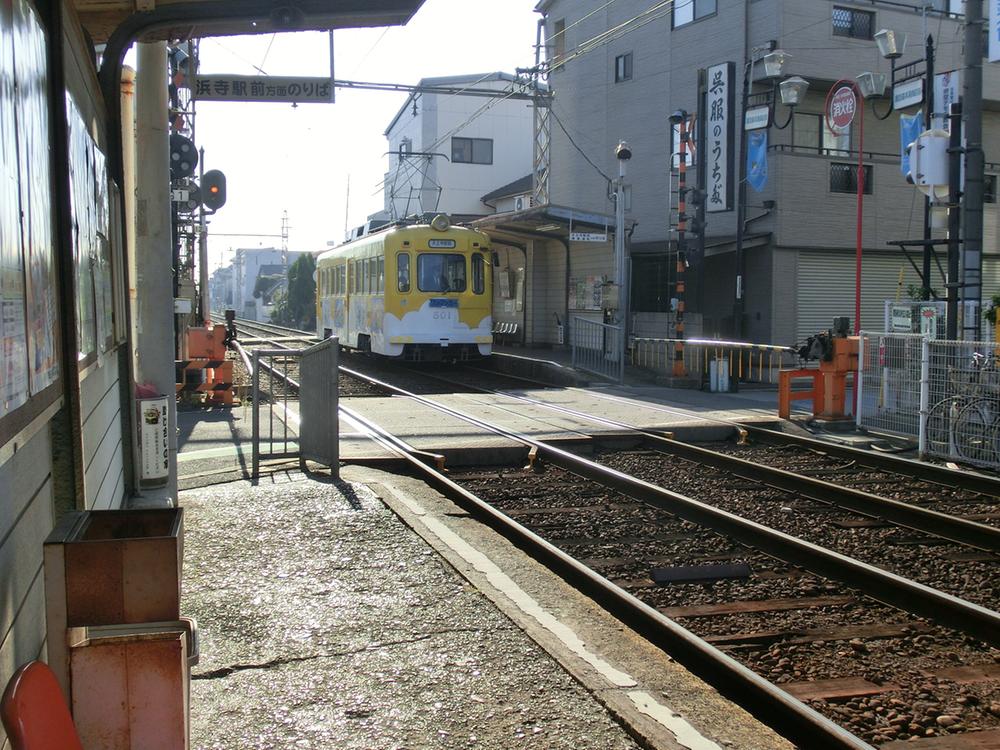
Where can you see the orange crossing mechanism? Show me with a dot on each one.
(829, 386)
(206, 370)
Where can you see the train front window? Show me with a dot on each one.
(441, 272)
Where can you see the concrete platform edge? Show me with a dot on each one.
(655, 714)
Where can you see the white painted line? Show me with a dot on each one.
(686, 735)
(223, 452)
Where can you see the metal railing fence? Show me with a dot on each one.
(296, 389)
(597, 348)
(714, 362)
(890, 382)
(963, 417)
(946, 394)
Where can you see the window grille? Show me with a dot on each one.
(856, 24)
(844, 178)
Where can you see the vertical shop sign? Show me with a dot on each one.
(718, 137)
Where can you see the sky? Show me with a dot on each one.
(301, 159)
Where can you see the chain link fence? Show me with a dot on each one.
(963, 418)
(945, 394)
(890, 382)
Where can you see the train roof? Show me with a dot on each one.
(390, 229)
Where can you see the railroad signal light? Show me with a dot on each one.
(183, 156)
(193, 199)
(695, 197)
(213, 189)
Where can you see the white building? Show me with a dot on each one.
(446, 151)
(240, 284)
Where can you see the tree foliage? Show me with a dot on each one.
(297, 308)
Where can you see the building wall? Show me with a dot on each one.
(415, 180)
(598, 112)
(548, 288)
(75, 419)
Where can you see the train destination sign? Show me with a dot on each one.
(232, 88)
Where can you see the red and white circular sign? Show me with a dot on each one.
(841, 107)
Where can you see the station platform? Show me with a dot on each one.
(373, 613)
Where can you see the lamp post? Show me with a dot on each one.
(790, 91)
(843, 101)
(892, 46)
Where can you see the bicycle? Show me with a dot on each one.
(967, 424)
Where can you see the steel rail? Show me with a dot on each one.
(892, 589)
(790, 717)
(964, 479)
(238, 348)
(935, 523)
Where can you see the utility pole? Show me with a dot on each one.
(623, 153)
(206, 310)
(678, 368)
(928, 124)
(284, 243)
(954, 218)
(972, 203)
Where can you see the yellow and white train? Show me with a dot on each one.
(417, 292)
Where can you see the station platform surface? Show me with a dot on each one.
(373, 613)
(215, 443)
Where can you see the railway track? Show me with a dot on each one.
(787, 612)
(883, 656)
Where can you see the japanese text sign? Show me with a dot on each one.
(230, 88)
(718, 137)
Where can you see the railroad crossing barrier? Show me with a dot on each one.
(718, 364)
(206, 370)
(944, 394)
(595, 347)
(297, 390)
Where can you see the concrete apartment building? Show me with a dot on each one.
(232, 287)
(800, 229)
(448, 151)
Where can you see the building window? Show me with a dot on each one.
(990, 188)
(810, 133)
(557, 44)
(857, 24)
(844, 178)
(687, 11)
(652, 287)
(472, 150)
(623, 67)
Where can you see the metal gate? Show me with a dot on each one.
(294, 396)
(596, 347)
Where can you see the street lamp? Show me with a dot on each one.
(622, 153)
(892, 45)
(872, 85)
(790, 92)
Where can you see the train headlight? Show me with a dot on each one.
(440, 223)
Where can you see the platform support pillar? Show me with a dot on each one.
(153, 316)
